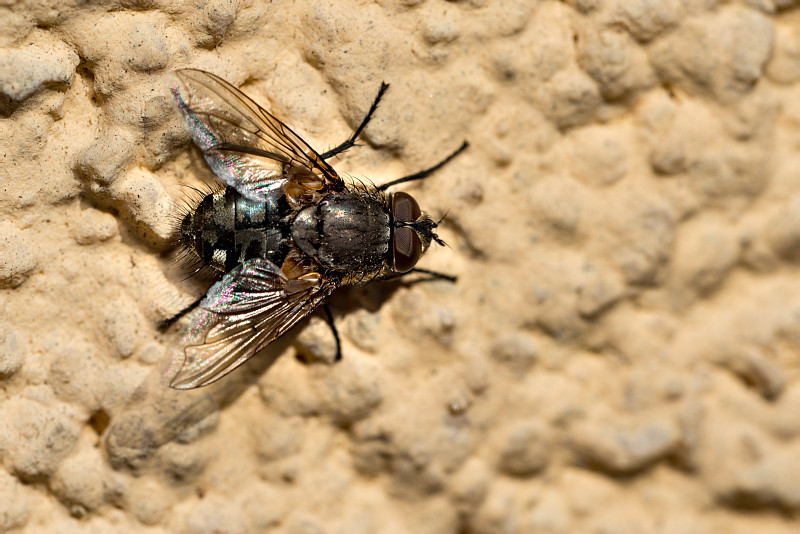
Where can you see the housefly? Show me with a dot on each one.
(283, 232)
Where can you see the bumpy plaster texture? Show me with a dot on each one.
(621, 352)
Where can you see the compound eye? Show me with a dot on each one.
(407, 249)
(405, 208)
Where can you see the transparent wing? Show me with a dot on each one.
(250, 307)
(245, 146)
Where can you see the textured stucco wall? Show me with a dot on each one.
(621, 353)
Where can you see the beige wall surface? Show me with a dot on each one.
(620, 353)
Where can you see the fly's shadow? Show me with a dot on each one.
(157, 415)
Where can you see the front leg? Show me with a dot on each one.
(432, 274)
(352, 140)
(427, 172)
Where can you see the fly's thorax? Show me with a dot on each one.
(347, 232)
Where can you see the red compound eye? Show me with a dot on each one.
(405, 208)
(407, 249)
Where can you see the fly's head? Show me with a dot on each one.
(412, 232)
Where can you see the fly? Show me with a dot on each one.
(283, 233)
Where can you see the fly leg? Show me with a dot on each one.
(432, 274)
(166, 323)
(352, 140)
(427, 172)
(329, 315)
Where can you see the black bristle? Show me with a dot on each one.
(184, 255)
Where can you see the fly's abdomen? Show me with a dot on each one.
(227, 228)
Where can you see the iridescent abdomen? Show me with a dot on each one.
(227, 228)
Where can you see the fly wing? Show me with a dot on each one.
(245, 146)
(250, 307)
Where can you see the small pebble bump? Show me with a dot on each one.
(94, 226)
(14, 503)
(600, 158)
(28, 69)
(783, 230)
(12, 355)
(518, 351)
(36, 438)
(80, 481)
(17, 255)
(525, 450)
(617, 450)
